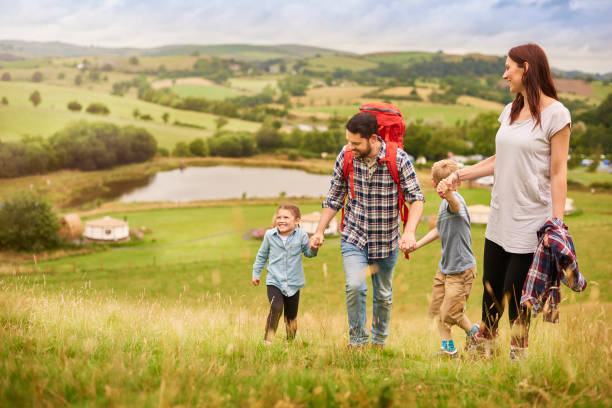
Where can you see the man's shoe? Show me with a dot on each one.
(518, 353)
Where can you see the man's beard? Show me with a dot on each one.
(365, 154)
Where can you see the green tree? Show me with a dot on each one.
(198, 147)
(37, 76)
(268, 138)
(134, 60)
(165, 117)
(74, 106)
(136, 113)
(98, 108)
(35, 98)
(481, 132)
(181, 149)
(220, 122)
(28, 223)
(295, 85)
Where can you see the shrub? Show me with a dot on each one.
(146, 116)
(28, 223)
(61, 75)
(6, 76)
(268, 138)
(35, 98)
(37, 76)
(163, 152)
(74, 106)
(181, 149)
(239, 144)
(78, 80)
(98, 108)
(198, 147)
(4, 100)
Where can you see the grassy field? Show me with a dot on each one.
(449, 114)
(52, 115)
(174, 321)
(403, 58)
(581, 175)
(333, 62)
(214, 92)
(254, 84)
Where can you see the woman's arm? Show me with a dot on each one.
(559, 147)
(481, 169)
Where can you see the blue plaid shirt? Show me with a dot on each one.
(371, 218)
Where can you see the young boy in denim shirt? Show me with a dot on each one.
(457, 267)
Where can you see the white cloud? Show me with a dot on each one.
(574, 33)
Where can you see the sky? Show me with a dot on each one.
(576, 35)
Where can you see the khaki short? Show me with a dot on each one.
(450, 294)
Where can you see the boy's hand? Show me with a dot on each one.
(255, 281)
(407, 242)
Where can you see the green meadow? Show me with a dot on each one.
(214, 92)
(20, 117)
(449, 114)
(174, 321)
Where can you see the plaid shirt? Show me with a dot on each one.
(541, 290)
(371, 218)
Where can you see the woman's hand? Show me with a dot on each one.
(255, 281)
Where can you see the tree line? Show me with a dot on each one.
(81, 145)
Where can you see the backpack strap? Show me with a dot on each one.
(391, 159)
(348, 171)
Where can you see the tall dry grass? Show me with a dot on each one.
(82, 347)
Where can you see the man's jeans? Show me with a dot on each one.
(356, 269)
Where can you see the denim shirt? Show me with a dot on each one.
(285, 270)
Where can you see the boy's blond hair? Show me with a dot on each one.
(442, 169)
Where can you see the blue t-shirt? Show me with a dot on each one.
(455, 235)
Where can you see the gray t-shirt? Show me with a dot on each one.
(521, 201)
(455, 236)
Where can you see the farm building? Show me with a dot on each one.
(309, 223)
(70, 227)
(107, 229)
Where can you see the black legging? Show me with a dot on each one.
(503, 279)
(277, 301)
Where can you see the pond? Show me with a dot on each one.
(226, 182)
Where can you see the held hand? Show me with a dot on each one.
(316, 241)
(546, 244)
(407, 242)
(255, 281)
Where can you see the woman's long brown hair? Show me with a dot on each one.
(537, 78)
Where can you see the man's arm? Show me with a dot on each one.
(413, 195)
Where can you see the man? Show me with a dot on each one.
(371, 235)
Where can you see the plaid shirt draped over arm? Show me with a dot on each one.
(371, 218)
(550, 266)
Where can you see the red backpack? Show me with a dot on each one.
(391, 128)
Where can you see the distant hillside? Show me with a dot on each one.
(16, 49)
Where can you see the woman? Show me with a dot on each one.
(530, 168)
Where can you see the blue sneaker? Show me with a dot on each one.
(448, 348)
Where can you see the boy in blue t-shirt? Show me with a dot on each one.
(457, 267)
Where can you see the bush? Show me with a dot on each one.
(268, 138)
(4, 100)
(181, 149)
(6, 76)
(35, 98)
(239, 144)
(28, 223)
(74, 106)
(61, 75)
(146, 116)
(198, 147)
(98, 108)
(37, 76)
(163, 152)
